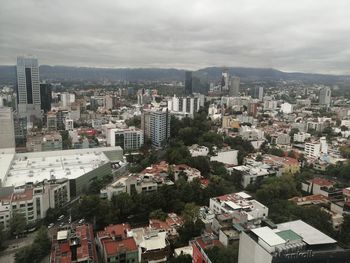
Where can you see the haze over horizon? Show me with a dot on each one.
(293, 36)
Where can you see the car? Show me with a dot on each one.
(60, 217)
(81, 221)
(50, 226)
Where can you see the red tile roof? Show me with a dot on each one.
(113, 247)
(321, 181)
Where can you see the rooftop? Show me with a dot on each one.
(113, 247)
(38, 166)
(321, 181)
(310, 235)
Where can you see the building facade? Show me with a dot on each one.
(7, 129)
(28, 87)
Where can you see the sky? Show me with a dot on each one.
(290, 35)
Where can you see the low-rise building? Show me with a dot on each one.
(32, 201)
(116, 244)
(253, 173)
(239, 202)
(226, 156)
(197, 150)
(76, 244)
(200, 244)
(288, 164)
(153, 244)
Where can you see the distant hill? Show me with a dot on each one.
(63, 73)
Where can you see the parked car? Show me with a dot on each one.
(50, 226)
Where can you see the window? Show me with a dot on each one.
(22, 205)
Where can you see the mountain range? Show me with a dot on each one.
(64, 73)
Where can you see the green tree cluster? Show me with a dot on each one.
(37, 251)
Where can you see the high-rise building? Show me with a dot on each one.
(188, 83)
(156, 126)
(45, 96)
(200, 82)
(28, 88)
(234, 87)
(261, 93)
(185, 106)
(224, 80)
(325, 96)
(7, 130)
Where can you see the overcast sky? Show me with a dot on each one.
(291, 35)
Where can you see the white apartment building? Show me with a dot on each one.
(312, 149)
(188, 106)
(253, 173)
(301, 136)
(251, 133)
(239, 202)
(32, 201)
(315, 149)
(155, 124)
(197, 150)
(128, 139)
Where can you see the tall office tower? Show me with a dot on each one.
(200, 82)
(156, 126)
(325, 96)
(7, 130)
(261, 93)
(28, 88)
(188, 83)
(225, 80)
(234, 87)
(45, 96)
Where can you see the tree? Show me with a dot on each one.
(177, 153)
(2, 235)
(277, 188)
(201, 163)
(344, 234)
(158, 214)
(37, 251)
(17, 223)
(276, 151)
(221, 254)
(190, 212)
(259, 158)
(134, 121)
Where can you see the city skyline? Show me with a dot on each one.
(290, 36)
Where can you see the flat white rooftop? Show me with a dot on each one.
(268, 236)
(310, 235)
(5, 163)
(38, 166)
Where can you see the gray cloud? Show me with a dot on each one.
(291, 35)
